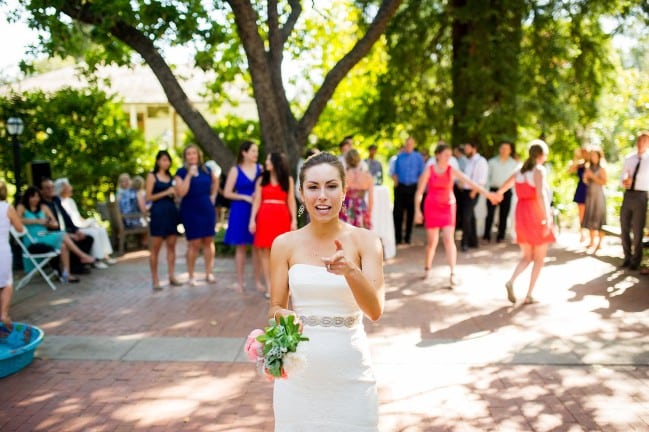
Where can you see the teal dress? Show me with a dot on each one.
(39, 233)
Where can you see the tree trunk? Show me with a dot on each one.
(486, 38)
(281, 131)
(205, 136)
(177, 97)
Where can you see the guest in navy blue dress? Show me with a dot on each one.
(164, 216)
(239, 188)
(578, 166)
(196, 186)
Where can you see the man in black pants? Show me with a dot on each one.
(501, 168)
(65, 223)
(408, 166)
(476, 169)
(633, 214)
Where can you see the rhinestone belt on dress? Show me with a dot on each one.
(329, 321)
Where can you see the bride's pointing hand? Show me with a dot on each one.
(338, 263)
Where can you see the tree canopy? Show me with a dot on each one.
(488, 71)
(83, 134)
(456, 70)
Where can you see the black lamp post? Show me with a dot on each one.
(15, 127)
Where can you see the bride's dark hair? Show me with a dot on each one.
(322, 158)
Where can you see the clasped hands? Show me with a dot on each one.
(495, 197)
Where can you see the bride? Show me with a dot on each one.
(334, 274)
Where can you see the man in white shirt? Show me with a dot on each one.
(501, 167)
(633, 214)
(476, 169)
(460, 159)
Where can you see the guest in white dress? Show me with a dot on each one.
(334, 274)
(8, 218)
(101, 247)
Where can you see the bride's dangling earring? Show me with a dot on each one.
(300, 210)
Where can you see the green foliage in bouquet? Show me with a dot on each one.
(279, 339)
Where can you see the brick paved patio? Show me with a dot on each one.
(118, 356)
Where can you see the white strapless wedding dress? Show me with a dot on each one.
(337, 390)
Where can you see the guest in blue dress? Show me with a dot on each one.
(196, 186)
(239, 188)
(160, 192)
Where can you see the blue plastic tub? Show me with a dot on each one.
(17, 347)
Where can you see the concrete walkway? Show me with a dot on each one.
(118, 356)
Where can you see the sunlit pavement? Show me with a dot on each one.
(118, 356)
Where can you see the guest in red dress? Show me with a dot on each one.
(439, 207)
(534, 228)
(273, 209)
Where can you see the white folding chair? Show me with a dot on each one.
(38, 260)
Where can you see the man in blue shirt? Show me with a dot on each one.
(407, 168)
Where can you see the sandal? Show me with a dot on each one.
(66, 278)
(529, 300)
(510, 292)
(210, 278)
(174, 282)
(454, 281)
(157, 288)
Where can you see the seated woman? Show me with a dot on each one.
(38, 220)
(138, 185)
(127, 200)
(101, 247)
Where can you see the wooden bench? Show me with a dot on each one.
(119, 231)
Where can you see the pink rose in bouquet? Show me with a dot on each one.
(254, 348)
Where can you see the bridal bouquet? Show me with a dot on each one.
(274, 349)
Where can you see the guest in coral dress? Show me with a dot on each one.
(439, 207)
(534, 223)
(273, 209)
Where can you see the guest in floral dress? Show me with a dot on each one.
(356, 209)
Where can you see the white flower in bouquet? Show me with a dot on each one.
(294, 363)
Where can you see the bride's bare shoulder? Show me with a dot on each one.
(288, 239)
(363, 237)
